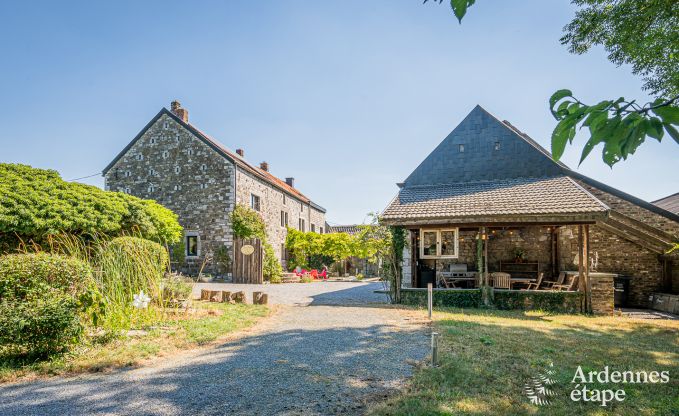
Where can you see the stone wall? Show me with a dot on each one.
(316, 220)
(272, 202)
(602, 294)
(170, 165)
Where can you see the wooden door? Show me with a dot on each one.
(248, 258)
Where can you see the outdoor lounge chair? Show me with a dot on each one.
(501, 280)
(559, 281)
(570, 286)
(536, 285)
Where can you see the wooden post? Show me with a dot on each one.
(215, 296)
(430, 302)
(226, 296)
(588, 284)
(205, 294)
(555, 253)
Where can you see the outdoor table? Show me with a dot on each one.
(522, 280)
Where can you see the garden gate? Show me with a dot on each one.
(248, 258)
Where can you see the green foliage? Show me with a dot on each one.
(271, 268)
(178, 252)
(549, 301)
(459, 7)
(39, 326)
(127, 266)
(459, 298)
(305, 279)
(175, 288)
(222, 259)
(247, 223)
(25, 276)
(643, 34)
(619, 125)
(41, 299)
(35, 203)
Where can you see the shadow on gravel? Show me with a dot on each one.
(325, 371)
(359, 295)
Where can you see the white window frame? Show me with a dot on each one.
(438, 231)
(259, 202)
(188, 234)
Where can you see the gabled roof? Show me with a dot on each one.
(557, 196)
(223, 151)
(495, 152)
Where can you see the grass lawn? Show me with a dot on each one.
(100, 353)
(486, 357)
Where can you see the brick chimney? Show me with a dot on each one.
(290, 182)
(180, 112)
(264, 166)
(240, 152)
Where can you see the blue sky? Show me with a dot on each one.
(346, 96)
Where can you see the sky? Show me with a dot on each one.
(346, 96)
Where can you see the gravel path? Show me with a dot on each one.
(330, 357)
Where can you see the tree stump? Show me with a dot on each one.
(238, 297)
(204, 294)
(215, 296)
(260, 298)
(226, 296)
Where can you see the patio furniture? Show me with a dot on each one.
(536, 285)
(559, 281)
(501, 280)
(572, 283)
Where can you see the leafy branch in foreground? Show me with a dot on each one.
(619, 124)
(459, 7)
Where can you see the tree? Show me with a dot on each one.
(247, 223)
(644, 34)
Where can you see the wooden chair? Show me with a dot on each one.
(536, 285)
(502, 280)
(559, 281)
(570, 286)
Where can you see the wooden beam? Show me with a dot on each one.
(588, 283)
(581, 259)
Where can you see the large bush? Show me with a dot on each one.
(271, 269)
(41, 300)
(35, 203)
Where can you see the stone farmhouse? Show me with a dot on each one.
(184, 169)
(487, 180)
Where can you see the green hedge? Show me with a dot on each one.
(461, 298)
(551, 301)
(41, 301)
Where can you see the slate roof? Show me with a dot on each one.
(669, 203)
(522, 196)
(349, 229)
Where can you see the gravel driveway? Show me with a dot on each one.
(329, 357)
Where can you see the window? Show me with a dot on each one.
(140, 157)
(461, 147)
(284, 253)
(203, 167)
(254, 202)
(313, 228)
(128, 191)
(301, 207)
(283, 218)
(203, 186)
(166, 125)
(301, 224)
(321, 230)
(177, 188)
(152, 172)
(153, 140)
(166, 154)
(176, 137)
(192, 245)
(151, 188)
(497, 146)
(439, 243)
(190, 152)
(127, 173)
(177, 169)
(284, 199)
(286, 219)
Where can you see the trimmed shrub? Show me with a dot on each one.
(25, 276)
(35, 203)
(40, 326)
(460, 298)
(41, 300)
(549, 301)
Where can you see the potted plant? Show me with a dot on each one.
(519, 255)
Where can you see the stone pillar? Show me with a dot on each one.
(602, 294)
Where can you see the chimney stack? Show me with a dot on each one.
(290, 182)
(240, 152)
(264, 166)
(178, 111)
